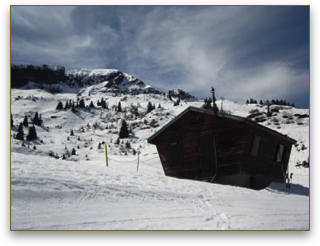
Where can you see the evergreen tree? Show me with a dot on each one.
(25, 121)
(73, 151)
(91, 105)
(150, 107)
(207, 103)
(247, 102)
(73, 109)
(104, 104)
(20, 134)
(128, 145)
(37, 120)
(66, 106)
(124, 133)
(71, 132)
(59, 106)
(11, 120)
(117, 142)
(32, 134)
(81, 103)
(119, 108)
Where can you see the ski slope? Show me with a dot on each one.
(81, 193)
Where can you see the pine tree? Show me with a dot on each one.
(207, 103)
(124, 133)
(32, 134)
(37, 120)
(66, 106)
(73, 151)
(117, 142)
(71, 132)
(20, 134)
(81, 103)
(150, 107)
(119, 108)
(25, 121)
(11, 120)
(91, 105)
(104, 104)
(128, 145)
(73, 109)
(59, 106)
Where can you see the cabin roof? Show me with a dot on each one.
(221, 115)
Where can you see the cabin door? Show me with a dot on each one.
(207, 153)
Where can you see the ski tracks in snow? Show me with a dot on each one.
(214, 218)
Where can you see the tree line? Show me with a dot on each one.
(268, 102)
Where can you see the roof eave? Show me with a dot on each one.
(234, 117)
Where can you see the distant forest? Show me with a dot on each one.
(269, 102)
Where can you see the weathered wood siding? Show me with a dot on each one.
(265, 163)
(231, 149)
(229, 141)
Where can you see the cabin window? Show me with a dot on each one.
(280, 153)
(175, 153)
(255, 145)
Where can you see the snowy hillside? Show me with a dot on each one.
(53, 188)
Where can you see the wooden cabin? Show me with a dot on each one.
(205, 145)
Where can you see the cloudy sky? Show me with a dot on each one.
(242, 51)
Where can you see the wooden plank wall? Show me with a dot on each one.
(233, 144)
(230, 142)
(265, 162)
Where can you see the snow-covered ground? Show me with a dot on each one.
(81, 193)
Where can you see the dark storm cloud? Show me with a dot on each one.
(260, 52)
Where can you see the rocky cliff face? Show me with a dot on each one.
(45, 76)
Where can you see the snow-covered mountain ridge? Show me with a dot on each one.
(51, 188)
(112, 80)
(57, 79)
